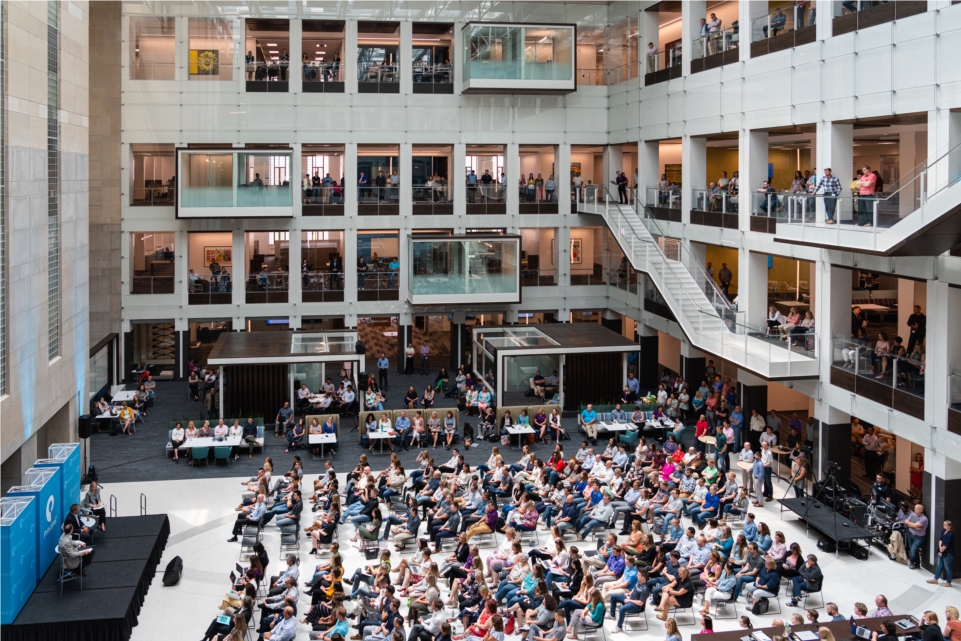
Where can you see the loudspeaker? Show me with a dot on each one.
(173, 572)
(362, 381)
(360, 347)
(84, 426)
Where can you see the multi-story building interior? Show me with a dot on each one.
(419, 170)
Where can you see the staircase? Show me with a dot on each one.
(710, 323)
(479, 281)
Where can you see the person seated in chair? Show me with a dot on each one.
(296, 436)
(127, 418)
(81, 532)
(76, 555)
(539, 383)
(341, 405)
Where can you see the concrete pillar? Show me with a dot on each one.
(747, 13)
(944, 133)
(648, 168)
(456, 182)
(941, 497)
(562, 253)
(295, 283)
(612, 161)
(456, 57)
(406, 152)
(752, 287)
(832, 441)
(911, 145)
(693, 172)
(562, 176)
(649, 31)
(835, 151)
(238, 242)
(295, 74)
(350, 179)
(349, 59)
(942, 306)
(691, 14)
(824, 21)
(832, 314)
(752, 393)
(405, 56)
(752, 170)
(512, 168)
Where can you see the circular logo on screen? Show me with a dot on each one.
(50, 503)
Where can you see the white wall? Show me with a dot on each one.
(785, 399)
(668, 352)
(588, 249)
(199, 240)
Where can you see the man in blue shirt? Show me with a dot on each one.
(382, 365)
(737, 422)
(402, 427)
(285, 416)
(750, 528)
(709, 508)
(619, 415)
(633, 385)
(589, 420)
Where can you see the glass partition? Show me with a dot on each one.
(537, 183)
(464, 269)
(378, 180)
(505, 56)
(322, 180)
(431, 58)
(484, 180)
(268, 258)
(519, 370)
(321, 64)
(378, 70)
(223, 183)
(433, 192)
(153, 45)
(152, 263)
(267, 61)
(322, 266)
(153, 176)
(378, 264)
(537, 257)
(211, 55)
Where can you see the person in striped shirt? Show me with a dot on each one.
(830, 187)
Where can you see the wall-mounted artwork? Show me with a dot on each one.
(204, 62)
(221, 255)
(576, 256)
(575, 169)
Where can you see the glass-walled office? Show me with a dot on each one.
(500, 57)
(322, 266)
(210, 264)
(153, 47)
(378, 180)
(153, 175)
(378, 264)
(268, 266)
(431, 57)
(267, 58)
(378, 44)
(227, 183)
(211, 53)
(321, 65)
(663, 42)
(472, 269)
(537, 183)
(538, 257)
(485, 180)
(433, 191)
(322, 180)
(152, 263)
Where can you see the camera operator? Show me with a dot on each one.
(917, 527)
(881, 489)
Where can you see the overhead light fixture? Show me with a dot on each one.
(318, 45)
(271, 44)
(274, 51)
(274, 58)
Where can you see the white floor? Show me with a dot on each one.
(202, 513)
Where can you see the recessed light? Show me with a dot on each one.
(274, 51)
(274, 58)
(318, 45)
(271, 44)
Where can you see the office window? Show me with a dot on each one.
(153, 45)
(211, 55)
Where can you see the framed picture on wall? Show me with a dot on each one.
(575, 169)
(221, 255)
(576, 257)
(204, 62)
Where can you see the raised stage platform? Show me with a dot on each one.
(822, 518)
(114, 588)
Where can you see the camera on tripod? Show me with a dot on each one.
(834, 467)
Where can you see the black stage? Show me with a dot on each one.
(825, 520)
(113, 590)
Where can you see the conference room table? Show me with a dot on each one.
(840, 629)
(210, 441)
(321, 440)
(378, 436)
(519, 431)
(124, 396)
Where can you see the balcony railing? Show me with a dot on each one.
(714, 208)
(622, 73)
(432, 78)
(715, 49)
(884, 377)
(323, 77)
(433, 199)
(322, 201)
(161, 195)
(322, 286)
(378, 201)
(376, 78)
(487, 199)
(788, 25)
(537, 199)
(215, 290)
(153, 70)
(267, 287)
(662, 66)
(152, 285)
(268, 76)
(591, 76)
(538, 277)
(851, 15)
(377, 283)
(664, 203)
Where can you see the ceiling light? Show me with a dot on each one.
(271, 44)
(318, 45)
(274, 51)
(274, 58)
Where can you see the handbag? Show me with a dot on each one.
(761, 607)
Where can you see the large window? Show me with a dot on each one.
(431, 57)
(268, 256)
(153, 179)
(322, 266)
(211, 266)
(267, 64)
(501, 56)
(485, 180)
(321, 63)
(153, 47)
(322, 180)
(378, 264)
(471, 269)
(378, 180)
(232, 181)
(433, 191)
(378, 70)
(152, 263)
(211, 55)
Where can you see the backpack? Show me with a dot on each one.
(509, 624)
(761, 606)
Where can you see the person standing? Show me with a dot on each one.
(831, 188)
(424, 358)
(709, 270)
(945, 555)
(866, 188)
(917, 322)
(409, 360)
(917, 529)
(767, 459)
(382, 365)
(871, 444)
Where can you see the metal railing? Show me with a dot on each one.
(432, 193)
(668, 197)
(481, 193)
(538, 277)
(662, 59)
(333, 195)
(378, 283)
(432, 74)
(322, 72)
(378, 73)
(267, 70)
(904, 373)
(163, 196)
(152, 285)
(714, 200)
(140, 70)
(715, 42)
(787, 17)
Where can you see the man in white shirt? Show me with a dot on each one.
(767, 459)
(583, 453)
(746, 455)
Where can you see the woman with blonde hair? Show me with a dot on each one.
(671, 631)
(825, 634)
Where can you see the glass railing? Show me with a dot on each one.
(714, 200)
(481, 193)
(537, 199)
(377, 283)
(624, 278)
(322, 195)
(872, 367)
(213, 290)
(593, 76)
(787, 17)
(375, 195)
(432, 193)
(322, 286)
(153, 70)
(715, 42)
(152, 285)
(321, 72)
(267, 287)
(378, 74)
(663, 59)
(432, 74)
(622, 73)
(587, 194)
(268, 71)
(162, 196)
(596, 277)
(667, 197)
(538, 277)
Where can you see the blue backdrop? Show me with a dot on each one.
(18, 555)
(46, 489)
(65, 456)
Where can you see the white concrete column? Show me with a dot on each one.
(512, 168)
(944, 133)
(349, 59)
(752, 171)
(691, 14)
(908, 151)
(403, 251)
(747, 13)
(457, 56)
(350, 178)
(648, 168)
(295, 72)
(562, 255)
(562, 176)
(824, 20)
(942, 302)
(612, 160)
(648, 31)
(752, 287)
(405, 54)
(457, 186)
(294, 281)
(238, 271)
(297, 177)
(350, 269)
(693, 172)
(835, 151)
(832, 313)
(181, 53)
(406, 151)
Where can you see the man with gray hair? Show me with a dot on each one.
(250, 515)
(292, 570)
